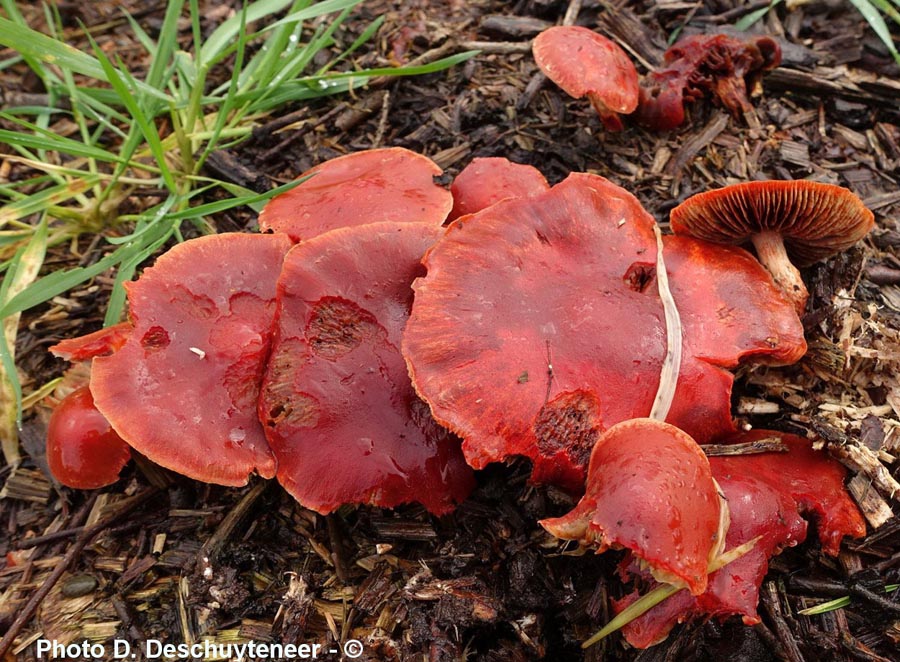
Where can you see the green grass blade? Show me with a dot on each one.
(223, 37)
(147, 128)
(57, 282)
(838, 603)
(148, 244)
(316, 10)
(876, 22)
(56, 143)
(165, 47)
(748, 20)
(33, 44)
(250, 198)
(888, 9)
(22, 272)
(366, 35)
(277, 50)
(335, 83)
(49, 197)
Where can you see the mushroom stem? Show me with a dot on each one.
(773, 256)
(610, 118)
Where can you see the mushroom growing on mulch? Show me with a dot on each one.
(537, 327)
(650, 490)
(486, 181)
(786, 221)
(83, 450)
(768, 496)
(370, 186)
(584, 63)
(183, 387)
(723, 66)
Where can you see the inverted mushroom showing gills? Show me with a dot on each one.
(182, 389)
(649, 490)
(725, 67)
(486, 181)
(391, 184)
(584, 63)
(339, 411)
(539, 325)
(799, 221)
(768, 496)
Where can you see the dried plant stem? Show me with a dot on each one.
(668, 378)
(28, 610)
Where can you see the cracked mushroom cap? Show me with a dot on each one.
(339, 411)
(815, 220)
(584, 63)
(649, 490)
(391, 184)
(182, 389)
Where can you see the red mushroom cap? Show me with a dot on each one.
(486, 181)
(392, 184)
(339, 411)
(583, 62)
(539, 325)
(766, 494)
(811, 478)
(183, 388)
(83, 451)
(649, 490)
(815, 220)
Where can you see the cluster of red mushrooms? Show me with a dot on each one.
(383, 337)
(584, 63)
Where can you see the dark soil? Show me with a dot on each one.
(487, 583)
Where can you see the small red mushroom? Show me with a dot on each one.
(649, 490)
(539, 325)
(766, 494)
(584, 63)
(83, 451)
(800, 220)
(182, 389)
(724, 66)
(339, 411)
(391, 184)
(486, 181)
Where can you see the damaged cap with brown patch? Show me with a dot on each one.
(182, 389)
(339, 411)
(390, 184)
(539, 325)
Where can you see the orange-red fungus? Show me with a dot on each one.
(391, 184)
(584, 63)
(339, 411)
(83, 451)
